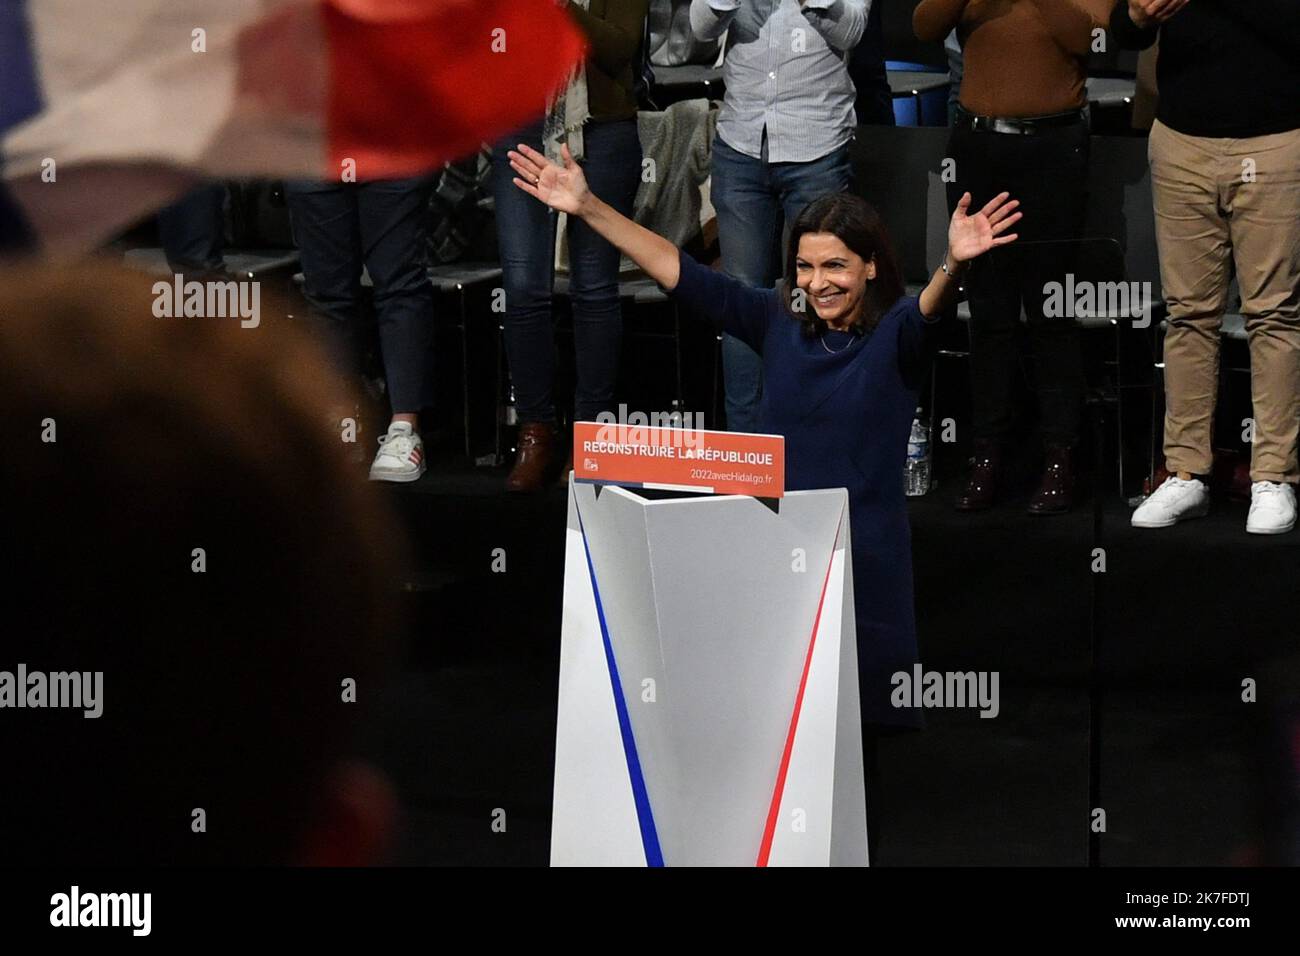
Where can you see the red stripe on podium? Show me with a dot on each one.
(765, 850)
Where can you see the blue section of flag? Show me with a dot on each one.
(20, 93)
(649, 835)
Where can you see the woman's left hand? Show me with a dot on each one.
(971, 236)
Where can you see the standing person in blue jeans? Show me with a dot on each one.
(379, 225)
(596, 116)
(782, 141)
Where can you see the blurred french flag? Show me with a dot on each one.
(110, 108)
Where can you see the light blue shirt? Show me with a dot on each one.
(785, 70)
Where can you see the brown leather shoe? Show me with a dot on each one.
(981, 478)
(536, 457)
(1055, 492)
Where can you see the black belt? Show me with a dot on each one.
(1021, 125)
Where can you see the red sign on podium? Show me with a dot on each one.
(679, 459)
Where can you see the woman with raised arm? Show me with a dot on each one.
(843, 352)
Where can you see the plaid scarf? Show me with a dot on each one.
(566, 112)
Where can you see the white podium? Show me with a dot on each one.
(708, 700)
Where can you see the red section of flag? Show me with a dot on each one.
(407, 95)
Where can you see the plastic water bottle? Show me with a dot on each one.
(511, 411)
(916, 473)
(675, 416)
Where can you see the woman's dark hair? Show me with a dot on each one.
(854, 222)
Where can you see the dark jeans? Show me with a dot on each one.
(752, 197)
(526, 237)
(1048, 173)
(192, 231)
(341, 227)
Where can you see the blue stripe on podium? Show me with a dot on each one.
(645, 817)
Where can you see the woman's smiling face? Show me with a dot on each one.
(833, 277)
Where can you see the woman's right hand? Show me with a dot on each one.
(560, 187)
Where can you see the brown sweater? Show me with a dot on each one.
(614, 29)
(1020, 57)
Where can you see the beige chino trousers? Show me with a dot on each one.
(1220, 200)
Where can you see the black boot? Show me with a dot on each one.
(981, 477)
(1055, 493)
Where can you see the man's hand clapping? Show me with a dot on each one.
(1146, 13)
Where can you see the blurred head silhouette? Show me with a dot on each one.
(178, 516)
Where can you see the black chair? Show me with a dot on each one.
(246, 264)
(1097, 292)
(687, 82)
(640, 292)
(1120, 207)
(456, 279)
(899, 170)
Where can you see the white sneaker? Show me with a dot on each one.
(1272, 508)
(401, 455)
(1173, 501)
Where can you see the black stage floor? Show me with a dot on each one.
(1183, 616)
